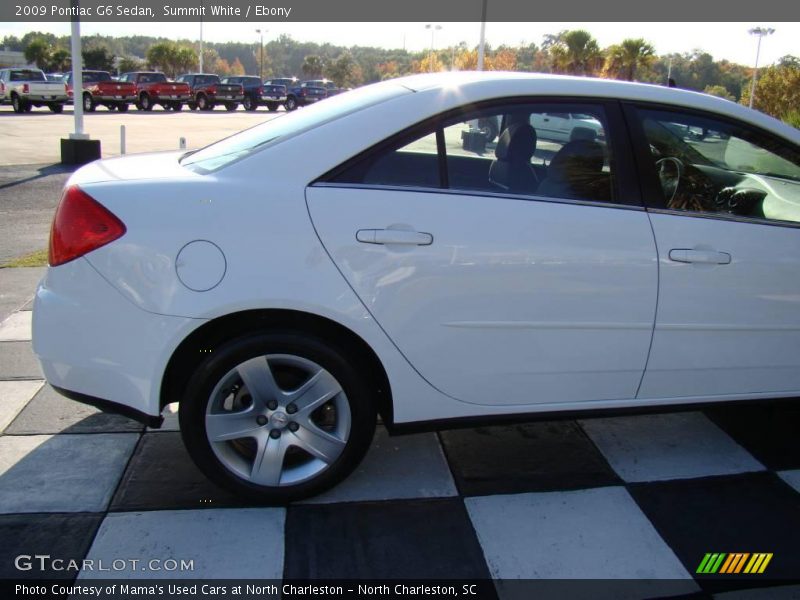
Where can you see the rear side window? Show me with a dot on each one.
(532, 149)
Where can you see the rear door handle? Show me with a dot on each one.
(707, 257)
(394, 236)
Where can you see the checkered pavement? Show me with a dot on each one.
(640, 497)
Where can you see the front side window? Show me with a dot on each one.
(533, 149)
(708, 165)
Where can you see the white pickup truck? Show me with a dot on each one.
(25, 88)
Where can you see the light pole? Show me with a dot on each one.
(202, 10)
(434, 29)
(261, 34)
(482, 42)
(760, 32)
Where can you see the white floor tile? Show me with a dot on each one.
(588, 534)
(792, 478)
(242, 543)
(668, 446)
(407, 466)
(14, 395)
(17, 327)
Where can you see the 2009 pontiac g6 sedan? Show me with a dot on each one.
(377, 253)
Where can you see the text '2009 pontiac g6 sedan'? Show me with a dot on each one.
(379, 253)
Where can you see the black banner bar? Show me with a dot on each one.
(264, 11)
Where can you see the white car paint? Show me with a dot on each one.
(483, 323)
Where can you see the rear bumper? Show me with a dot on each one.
(46, 98)
(98, 346)
(122, 98)
(109, 406)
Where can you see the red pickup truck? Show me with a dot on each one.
(208, 91)
(154, 88)
(100, 89)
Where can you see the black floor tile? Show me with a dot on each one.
(60, 536)
(742, 513)
(419, 539)
(161, 476)
(50, 412)
(17, 361)
(769, 431)
(533, 457)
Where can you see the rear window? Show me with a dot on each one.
(239, 145)
(27, 75)
(95, 76)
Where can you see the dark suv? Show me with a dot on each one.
(257, 94)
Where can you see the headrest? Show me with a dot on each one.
(583, 133)
(578, 154)
(517, 143)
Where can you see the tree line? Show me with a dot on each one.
(574, 52)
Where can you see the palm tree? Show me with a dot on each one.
(38, 53)
(576, 52)
(624, 59)
(313, 66)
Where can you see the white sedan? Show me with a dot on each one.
(290, 282)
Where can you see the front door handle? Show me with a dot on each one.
(706, 257)
(394, 236)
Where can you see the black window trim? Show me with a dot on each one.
(624, 178)
(652, 197)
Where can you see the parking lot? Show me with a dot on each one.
(33, 138)
(639, 500)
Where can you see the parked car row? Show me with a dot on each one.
(25, 88)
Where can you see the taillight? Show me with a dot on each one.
(25, 88)
(303, 92)
(261, 90)
(81, 224)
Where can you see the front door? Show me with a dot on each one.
(495, 298)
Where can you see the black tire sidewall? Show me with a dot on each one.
(193, 409)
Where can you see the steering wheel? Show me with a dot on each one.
(670, 171)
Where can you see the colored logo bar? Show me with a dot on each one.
(734, 563)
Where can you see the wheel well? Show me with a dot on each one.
(195, 348)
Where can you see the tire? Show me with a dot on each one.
(249, 103)
(339, 425)
(122, 107)
(202, 103)
(192, 106)
(231, 106)
(272, 106)
(291, 103)
(489, 128)
(54, 108)
(145, 103)
(28, 107)
(88, 103)
(17, 104)
(177, 107)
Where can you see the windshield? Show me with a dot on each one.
(27, 75)
(241, 144)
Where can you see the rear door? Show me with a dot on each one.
(725, 210)
(496, 298)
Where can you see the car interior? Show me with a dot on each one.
(521, 160)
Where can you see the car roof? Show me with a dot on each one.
(479, 85)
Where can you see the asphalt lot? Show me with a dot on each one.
(33, 138)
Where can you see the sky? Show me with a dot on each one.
(722, 40)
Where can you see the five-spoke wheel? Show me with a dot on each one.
(277, 417)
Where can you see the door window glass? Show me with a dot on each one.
(713, 166)
(526, 149)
